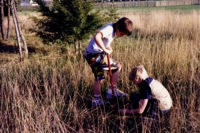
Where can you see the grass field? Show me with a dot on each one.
(171, 8)
(46, 92)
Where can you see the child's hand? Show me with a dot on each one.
(122, 111)
(109, 51)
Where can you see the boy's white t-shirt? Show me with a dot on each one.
(160, 93)
(108, 36)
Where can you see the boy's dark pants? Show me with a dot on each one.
(152, 111)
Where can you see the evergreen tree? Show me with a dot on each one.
(68, 21)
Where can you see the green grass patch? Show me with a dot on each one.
(175, 8)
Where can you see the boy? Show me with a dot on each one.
(96, 51)
(149, 89)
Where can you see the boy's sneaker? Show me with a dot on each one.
(97, 102)
(117, 93)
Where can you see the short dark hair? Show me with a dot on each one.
(124, 25)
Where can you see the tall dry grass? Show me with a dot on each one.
(46, 92)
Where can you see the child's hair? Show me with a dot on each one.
(124, 25)
(133, 74)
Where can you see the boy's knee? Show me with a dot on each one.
(119, 66)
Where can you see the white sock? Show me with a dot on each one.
(97, 97)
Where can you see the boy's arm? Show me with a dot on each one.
(110, 49)
(98, 40)
(140, 110)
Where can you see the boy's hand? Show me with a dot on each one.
(108, 51)
(122, 111)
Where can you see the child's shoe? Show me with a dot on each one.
(117, 93)
(97, 102)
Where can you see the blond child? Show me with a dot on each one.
(149, 89)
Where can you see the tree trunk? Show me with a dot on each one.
(75, 46)
(79, 47)
(8, 17)
(16, 29)
(2, 19)
(20, 32)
